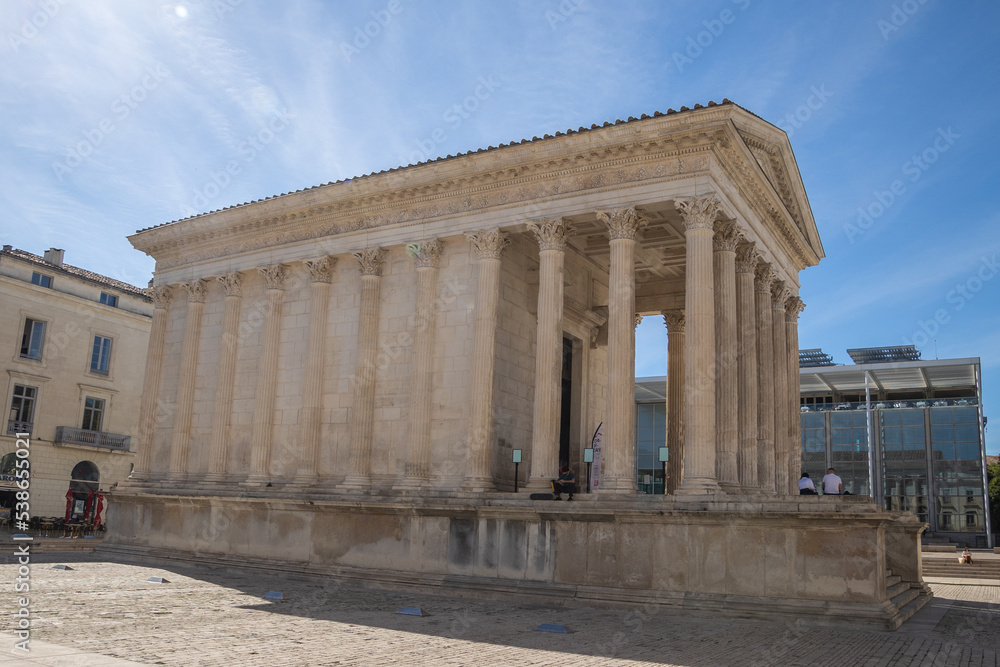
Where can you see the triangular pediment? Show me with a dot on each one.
(769, 158)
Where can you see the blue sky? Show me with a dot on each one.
(118, 115)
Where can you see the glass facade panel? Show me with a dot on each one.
(957, 469)
(850, 450)
(814, 445)
(904, 461)
(651, 434)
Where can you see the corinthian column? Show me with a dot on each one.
(181, 442)
(320, 277)
(427, 255)
(674, 320)
(618, 455)
(699, 410)
(746, 330)
(551, 235)
(779, 294)
(223, 406)
(151, 382)
(765, 378)
(727, 377)
(267, 376)
(488, 246)
(793, 307)
(372, 261)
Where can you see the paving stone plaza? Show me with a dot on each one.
(105, 613)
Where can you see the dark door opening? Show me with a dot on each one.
(566, 409)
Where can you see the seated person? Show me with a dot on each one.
(966, 556)
(566, 482)
(806, 486)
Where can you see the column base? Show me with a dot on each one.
(216, 477)
(538, 485)
(256, 480)
(355, 484)
(412, 483)
(696, 486)
(477, 485)
(305, 478)
(616, 486)
(731, 488)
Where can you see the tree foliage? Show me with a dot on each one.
(993, 474)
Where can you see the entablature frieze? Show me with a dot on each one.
(579, 169)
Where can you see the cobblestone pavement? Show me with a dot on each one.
(208, 617)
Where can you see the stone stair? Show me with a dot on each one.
(981, 568)
(907, 597)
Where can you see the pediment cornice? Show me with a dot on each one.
(606, 159)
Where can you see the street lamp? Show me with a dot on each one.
(664, 453)
(588, 458)
(517, 460)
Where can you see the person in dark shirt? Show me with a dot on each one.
(565, 483)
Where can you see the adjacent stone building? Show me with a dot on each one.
(338, 377)
(74, 346)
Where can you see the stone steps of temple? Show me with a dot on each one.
(906, 594)
(897, 588)
(892, 579)
(913, 606)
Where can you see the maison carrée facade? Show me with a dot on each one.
(338, 379)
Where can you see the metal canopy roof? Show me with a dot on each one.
(874, 355)
(814, 357)
(893, 376)
(651, 390)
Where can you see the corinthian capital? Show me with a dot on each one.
(674, 320)
(233, 282)
(427, 254)
(489, 244)
(793, 308)
(779, 294)
(551, 233)
(195, 290)
(372, 261)
(727, 236)
(321, 268)
(622, 223)
(764, 276)
(161, 296)
(274, 276)
(698, 212)
(746, 257)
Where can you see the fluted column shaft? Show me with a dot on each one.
(793, 308)
(746, 329)
(781, 399)
(488, 246)
(674, 320)
(267, 376)
(181, 442)
(727, 376)
(551, 235)
(427, 255)
(225, 382)
(320, 276)
(363, 411)
(151, 381)
(618, 447)
(699, 408)
(765, 379)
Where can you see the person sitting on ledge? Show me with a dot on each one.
(966, 557)
(566, 481)
(806, 486)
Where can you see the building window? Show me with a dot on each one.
(100, 359)
(109, 299)
(41, 279)
(22, 409)
(93, 414)
(32, 339)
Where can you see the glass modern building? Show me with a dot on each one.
(917, 424)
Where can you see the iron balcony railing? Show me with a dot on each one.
(78, 436)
